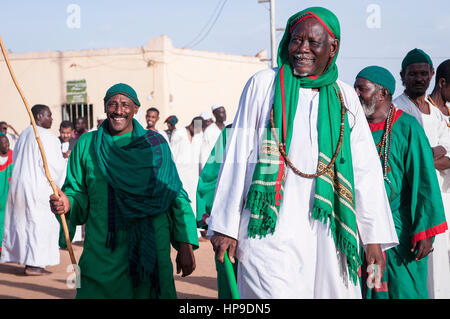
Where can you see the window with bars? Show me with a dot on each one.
(70, 112)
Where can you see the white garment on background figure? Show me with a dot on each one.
(438, 133)
(31, 229)
(186, 154)
(300, 259)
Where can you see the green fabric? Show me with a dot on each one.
(105, 273)
(416, 56)
(205, 196)
(334, 192)
(124, 89)
(208, 177)
(378, 75)
(143, 182)
(5, 175)
(416, 204)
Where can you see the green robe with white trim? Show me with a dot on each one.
(104, 273)
(416, 204)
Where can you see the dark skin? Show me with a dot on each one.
(119, 112)
(221, 116)
(44, 119)
(416, 78)
(152, 117)
(366, 90)
(309, 51)
(81, 125)
(4, 128)
(4, 146)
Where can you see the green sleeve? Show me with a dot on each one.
(75, 186)
(427, 209)
(184, 226)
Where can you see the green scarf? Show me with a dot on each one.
(142, 183)
(334, 191)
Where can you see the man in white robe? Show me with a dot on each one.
(212, 132)
(300, 259)
(185, 146)
(417, 72)
(31, 231)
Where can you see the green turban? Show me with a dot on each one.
(378, 75)
(124, 89)
(416, 56)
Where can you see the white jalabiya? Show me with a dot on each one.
(186, 155)
(438, 133)
(78, 236)
(300, 259)
(31, 230)
(210, 136)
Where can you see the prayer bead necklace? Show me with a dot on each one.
(387, 135)
(338, 147)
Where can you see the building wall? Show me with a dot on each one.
(182, 82)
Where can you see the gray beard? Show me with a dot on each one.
(299, 74)
(369, 109)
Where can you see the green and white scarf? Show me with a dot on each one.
(334, 190)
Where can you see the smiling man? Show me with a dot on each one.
(152, 117)
(31, 231)
(301, 184)
(122, 183)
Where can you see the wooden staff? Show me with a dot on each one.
(44, 159)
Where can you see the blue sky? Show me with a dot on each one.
(241, 28)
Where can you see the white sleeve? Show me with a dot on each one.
(374, 217)
(443, 134)
(231, 184)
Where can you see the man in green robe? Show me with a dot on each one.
(411, 186)
(205, 197)
(123, 185)
(6, 167)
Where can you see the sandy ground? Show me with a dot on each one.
(14, 284)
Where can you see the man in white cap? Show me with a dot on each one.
(212, 132)
(207, 119)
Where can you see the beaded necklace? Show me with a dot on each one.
(338, 147)
(385, 149)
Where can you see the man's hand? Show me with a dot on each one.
(61, 205)
(221, 243)
(374, 255)
(438, 152)
(185, 260)
(423, 247)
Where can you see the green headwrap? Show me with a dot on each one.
(124, 89)
(334, 191)
(378, 75)
(416, 56)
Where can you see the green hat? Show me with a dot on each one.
(172, 120)
(378, 75)
(124, 89)
(416, 56)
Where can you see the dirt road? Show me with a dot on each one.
(14, 284)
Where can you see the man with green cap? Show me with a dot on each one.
(411, 185)
(123, 185)
(416, 73)
(301, 185)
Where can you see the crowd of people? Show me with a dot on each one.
(318, 189)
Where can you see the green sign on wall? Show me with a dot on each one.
(76, 92)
